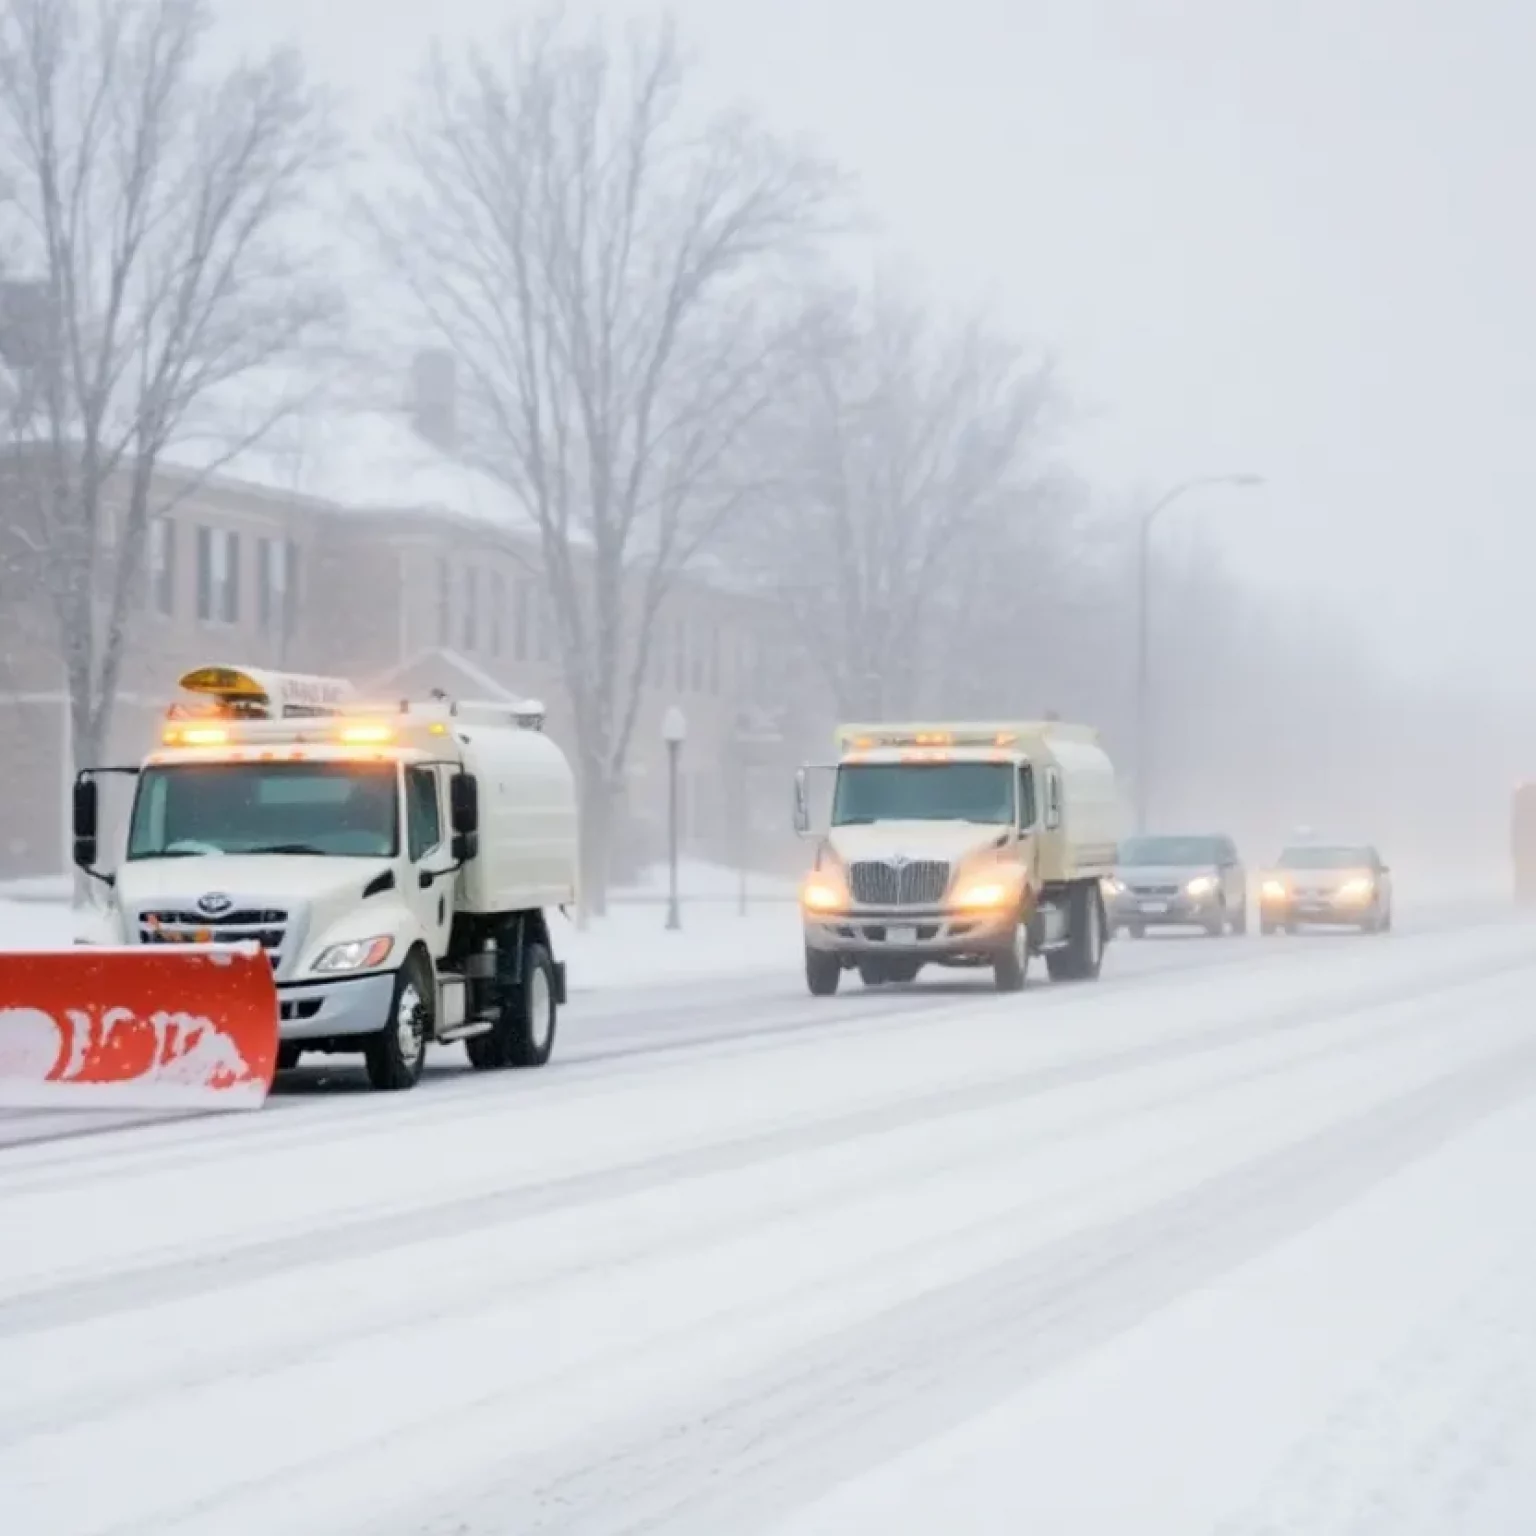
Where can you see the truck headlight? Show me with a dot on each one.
(822, 894)
(356, 954)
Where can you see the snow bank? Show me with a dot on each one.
(632, 947)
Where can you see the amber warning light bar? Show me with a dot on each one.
(250, 693)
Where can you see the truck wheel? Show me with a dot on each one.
(1083, 957)
(524, 1032)
(823, 971)
(396, 1055)
(1010, 967)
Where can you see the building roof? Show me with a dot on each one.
(353, 457)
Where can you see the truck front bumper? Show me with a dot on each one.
(916, 934)
(324, 1010)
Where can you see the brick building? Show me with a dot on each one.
(352, 543)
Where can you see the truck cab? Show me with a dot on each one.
(396, 862)
(959, 845)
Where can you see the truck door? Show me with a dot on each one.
(429, 887)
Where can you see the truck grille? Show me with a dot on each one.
(880, 883)
(266, 926)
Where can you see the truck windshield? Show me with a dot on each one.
(1174, 852)
(870, 792)
(346, 810)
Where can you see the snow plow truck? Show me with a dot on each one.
(960, 845)
(305, 871)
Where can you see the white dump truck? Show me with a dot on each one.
(397, 861)
(960, 845)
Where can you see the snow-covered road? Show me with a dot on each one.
(1242, 1231)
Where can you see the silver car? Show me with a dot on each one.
(1179, 882)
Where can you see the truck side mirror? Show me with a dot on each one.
(85, 812)
(464, 813)
(802, 804)
(464, 804)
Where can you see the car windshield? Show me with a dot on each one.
(1325, 858)
(345, 810)
(1178, 852)
(871, 792)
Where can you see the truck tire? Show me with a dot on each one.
(524, 1032)
(1010, 967)
(823, 971)
(395, 1056)
(1083, 958)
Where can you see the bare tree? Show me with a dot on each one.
(158, 212)
(908, 448)
(611, 273)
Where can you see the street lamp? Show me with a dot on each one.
(1143, 582)
(674, 731)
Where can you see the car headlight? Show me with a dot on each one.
(1274, 890)
(1357, 890)
(356, 954)
(1201, 885)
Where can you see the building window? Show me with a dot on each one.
(444, 604)
(218, 575)
(498, 605)
(276, 560)
(521, 619)
(471, 608)
(162, 565)
(680, 657)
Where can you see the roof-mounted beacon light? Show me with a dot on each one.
(529, 714)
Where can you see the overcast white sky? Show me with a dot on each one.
(1292, 237)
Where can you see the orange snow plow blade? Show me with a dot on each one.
(192, 1027)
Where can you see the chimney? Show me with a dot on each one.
(433, 411)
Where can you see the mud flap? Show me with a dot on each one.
(152, 1027)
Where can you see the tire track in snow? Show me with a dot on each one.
(624, 1038)
(491, 1288)
(334, 1238)
(836, 1408)
(1411, 1451)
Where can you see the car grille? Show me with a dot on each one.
(881, 883)
(267, 926)
(1154, 890)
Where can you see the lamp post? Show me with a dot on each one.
(674, 731)
(1143, 583)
